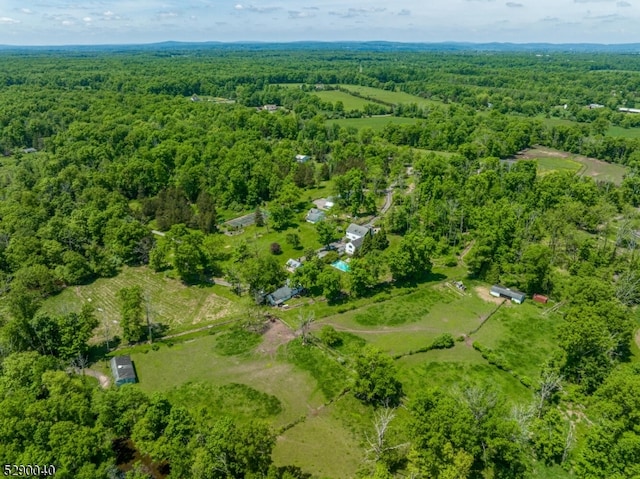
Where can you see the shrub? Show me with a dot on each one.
(444, 341)
(275, 248)
(329, 336)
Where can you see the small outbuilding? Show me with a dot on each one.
(302, 158)
(123, 370)
(539, 298)
(292, 265)
(502, 292)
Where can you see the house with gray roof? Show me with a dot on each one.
(123, 370)
(315, 216)
(355, 231)
(280, 295)
(354, 245)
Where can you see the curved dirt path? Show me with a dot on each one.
(638, 338)
(103, 379)
(386, 330)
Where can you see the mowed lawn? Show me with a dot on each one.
(171, 302)
(412, 321)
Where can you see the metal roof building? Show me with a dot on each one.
(502, 292)
(122, 369)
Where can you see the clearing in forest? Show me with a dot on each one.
(553, 160)
(412, 321)
(171, 303)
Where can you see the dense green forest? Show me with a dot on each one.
(134, 161)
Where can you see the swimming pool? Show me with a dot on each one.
(341, 265)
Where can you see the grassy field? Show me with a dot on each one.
(199, 361)
(454, 368)
(172, 303)
(624, 132)
(412, 321)
(376, 123)
(522, 336)
(557, 164)
(325, 445)
(278, 388)
(388, 96)
(350, 102)
(550, 160)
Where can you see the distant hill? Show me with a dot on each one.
(382, 46)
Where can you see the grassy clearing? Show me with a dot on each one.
(601, 170)
(521, 336)
(405, 323)
(197, 361)
(623, 132)
(388, 96)
(549, 159)
(455, 368)
(321, 446)
(376, 123)
(350, 102)
(236, 341)
(172, 303)
(330, 376)
(239, 401)
(546, 165)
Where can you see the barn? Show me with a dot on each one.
(502, 292)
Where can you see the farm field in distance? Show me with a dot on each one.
(389, 96)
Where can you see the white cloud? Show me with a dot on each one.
(87, 19)
(68, 23)
(8, 20)
(26, 10)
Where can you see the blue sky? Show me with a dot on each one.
(57, 22)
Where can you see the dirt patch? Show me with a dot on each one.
(533, 153)
(638, 338)
(275, 336)
(483, 293)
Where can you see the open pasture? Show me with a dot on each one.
(388, 96)
(522, 337)
(349, 102)
(198, 360)
(409, 322)
(456, 368)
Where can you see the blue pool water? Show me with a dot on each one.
(341, 265)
